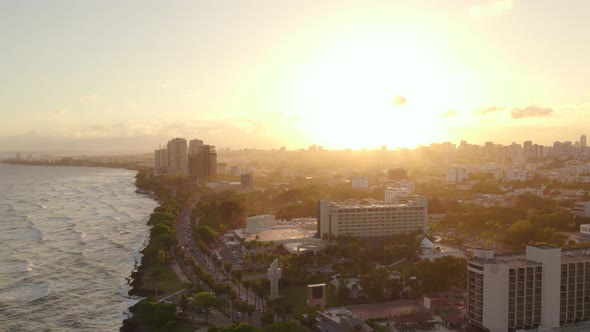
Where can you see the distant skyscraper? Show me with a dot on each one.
(177, 156)
(527, 150)
(583, 141)
(161, 161)
(203, 165)
(194, 146)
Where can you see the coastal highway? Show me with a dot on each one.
(186, 240)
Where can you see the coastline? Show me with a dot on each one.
(154, 275)
(76, 163)
(138, 289)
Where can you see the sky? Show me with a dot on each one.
(127, 76)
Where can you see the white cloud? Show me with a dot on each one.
(60, 112)
(490, 109)
(449, 113)
(531, 111)
(491, 7)
(89, 97)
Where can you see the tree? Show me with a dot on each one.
(152, 313)
(207, 234)
(268, 317)
(155, 274)
(283, 327)
(397, 174)
(239, 328)
(205, 302)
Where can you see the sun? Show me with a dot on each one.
(373, 91)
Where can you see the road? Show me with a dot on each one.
(186, 240)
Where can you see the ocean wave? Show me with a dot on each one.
(16, 266)
(25, 292)
(65, 265)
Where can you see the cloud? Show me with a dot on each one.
(491, 109)
(399, 100)
(531, 111)
(491, 7)
(60, 112)
(448, 114)
(89, 97)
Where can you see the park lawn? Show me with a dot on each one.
(168, 282)
(297, 296)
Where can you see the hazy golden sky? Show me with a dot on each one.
(129, 75)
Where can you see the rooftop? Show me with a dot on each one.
(520, 259)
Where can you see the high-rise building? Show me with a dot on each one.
(372, 220)
(203, 164)
(161, 161)
(177, 157)
(542, 288)
(528, 150)
(194, 145)
(583, 141)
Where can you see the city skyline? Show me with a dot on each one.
(113, 77)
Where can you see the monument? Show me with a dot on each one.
(274, 274)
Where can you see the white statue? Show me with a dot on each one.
(274, 274)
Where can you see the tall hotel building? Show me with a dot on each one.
(177, 157)
(541, 289)
(373, 220)
(161, 161)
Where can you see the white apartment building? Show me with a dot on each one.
(582, 209)
(373, 220)
(457, 175)
(397, 195)
(360, 182)
(516, 174)
(543, 288)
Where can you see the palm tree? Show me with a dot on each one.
(247, 287)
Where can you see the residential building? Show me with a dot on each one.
(457, 175)
(360, 182)
(177, 157)
(194, 146)
(203, 165)
(246, 180)
(398, 194)
(582, 209)
(543, 288)
(161, 161)
(585, 230)
(373, 220)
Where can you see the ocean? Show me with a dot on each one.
(69, 239)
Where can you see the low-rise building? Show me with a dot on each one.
(582, 209)
(360, 182)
